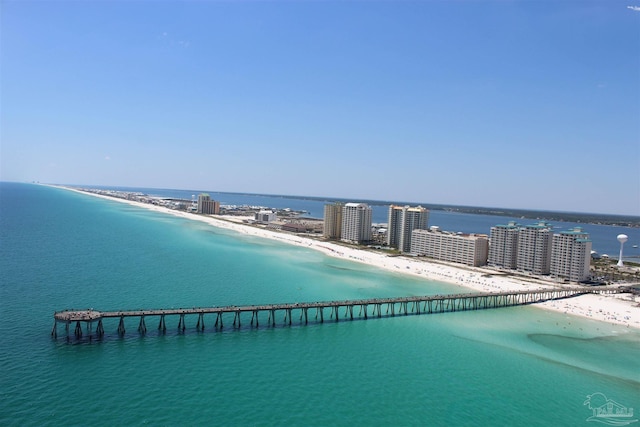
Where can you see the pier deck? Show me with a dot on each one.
(392, 306)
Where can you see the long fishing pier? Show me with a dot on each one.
(346, 309)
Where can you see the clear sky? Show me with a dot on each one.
(517, 104)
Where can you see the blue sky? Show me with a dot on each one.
(532, 104)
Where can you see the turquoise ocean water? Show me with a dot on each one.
(58, 249)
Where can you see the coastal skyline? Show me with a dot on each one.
(524, 105)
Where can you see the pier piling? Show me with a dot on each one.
(181, 325)
(142, 328)
(121, 329)
(100, 329)
(200, 324)
(162, 326)
(419, 305)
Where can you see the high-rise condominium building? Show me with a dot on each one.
(356, 223)
(469, 249)
(402, 221)
(534, 248)
(207, 206)
(571, 255)
(503, 250)
(332, 228)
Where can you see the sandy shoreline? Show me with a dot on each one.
(619, 309)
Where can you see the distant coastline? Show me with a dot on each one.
(585, 218)
(553, 216)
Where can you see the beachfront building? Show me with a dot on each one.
(207, 206)
(356, 223)
(265, 216)
(534, 249)
(571, 255)
(379, 234)
(503, 250)
(402, 221)
(468, 249)
(332, 228)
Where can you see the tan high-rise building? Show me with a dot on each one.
(208, 206)
(332, 228)
(402, 221)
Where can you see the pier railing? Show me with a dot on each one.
(344, 309)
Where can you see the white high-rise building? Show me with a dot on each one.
(571, 255)
(503, 249)
(534, 248)
(332, 228)
(469, 249)
(402, 221)
(356, 223)
(265, 216)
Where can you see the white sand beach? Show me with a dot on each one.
(620, 309)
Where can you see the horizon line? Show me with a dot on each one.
(438, 206)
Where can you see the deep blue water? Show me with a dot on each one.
(59, 249)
